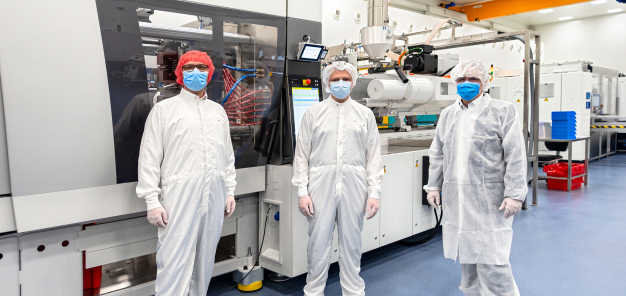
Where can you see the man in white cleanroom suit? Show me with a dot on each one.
(478, 162)
(338, 170)
(187, 176)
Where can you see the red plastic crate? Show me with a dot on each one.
(560, 170)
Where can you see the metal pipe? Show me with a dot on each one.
(184, 33)
(449, 26)
(377, 13)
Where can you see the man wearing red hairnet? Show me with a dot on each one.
(187, 177)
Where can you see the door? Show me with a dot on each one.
(396, 214)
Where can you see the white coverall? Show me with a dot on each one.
(477, 159)
(338, 163)
(186, 148)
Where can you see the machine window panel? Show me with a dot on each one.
(142, 44)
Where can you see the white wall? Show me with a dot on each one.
(600, 40)
(334, 32)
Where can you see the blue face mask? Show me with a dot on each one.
(340, 89)
(195, 80)
(468, 90)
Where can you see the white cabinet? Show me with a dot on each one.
(9, 266)
(370, 236)
(549, 96)
(396, 213)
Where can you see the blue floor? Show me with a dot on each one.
(570, 244)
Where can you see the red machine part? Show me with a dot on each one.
(245, 107)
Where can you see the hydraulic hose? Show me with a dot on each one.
(436, 29)
(238, 69)
(430, 236)
(235, 86)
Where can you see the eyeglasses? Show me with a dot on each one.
(200, 67)
(470, 79)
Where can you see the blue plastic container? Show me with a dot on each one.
(563, 115)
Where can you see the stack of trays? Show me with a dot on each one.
(564, 125)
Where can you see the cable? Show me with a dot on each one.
(238, 69)
(400, 58)
(414, 48)
(448, 71)
(257, 257)
(430, 236)
(235, 86)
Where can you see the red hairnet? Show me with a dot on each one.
(193, 56)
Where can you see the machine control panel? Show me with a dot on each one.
(304, 93)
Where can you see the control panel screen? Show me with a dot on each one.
(303, 98)
(311, 52)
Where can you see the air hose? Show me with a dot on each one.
(235, 86)
(430, 236)
(238, 69)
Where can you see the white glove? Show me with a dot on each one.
(510, 207)
(306, 205)
(433, 198)
(372, 207)
(157, 217)
(230, 206)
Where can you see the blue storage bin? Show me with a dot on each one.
(568, 135)
(564, 128)
(563, 115)
(565, 121)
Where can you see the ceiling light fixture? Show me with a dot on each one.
(598, 2)
(614, 10)
(546, 11)
(565, 18)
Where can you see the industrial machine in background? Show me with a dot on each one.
(593, 92)
(70, 220)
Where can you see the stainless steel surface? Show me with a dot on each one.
(537, 71)
(389, 150)
(109, 235)
(251, 277)
(171, 32)
(405, 145)
(126, 273)
(449, 26)
(138, 290)
(377, 13)
(376, 41)
(475, 39)
(122, 252)
(565, 140)
(7, 220)
(59, 138)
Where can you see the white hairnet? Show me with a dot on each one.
(471, 68)
(338, 66)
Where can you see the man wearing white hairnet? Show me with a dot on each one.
(478, 162)
(338, 171)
